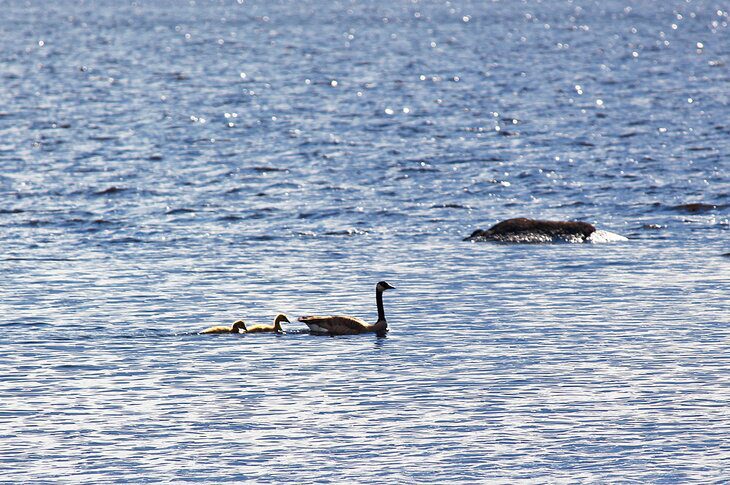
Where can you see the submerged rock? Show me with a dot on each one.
(697, 208)
(533, 231)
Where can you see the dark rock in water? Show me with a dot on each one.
(523, 230)
(695, 208)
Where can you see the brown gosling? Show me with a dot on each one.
(344, 325)
(276, 327)
(237, 327)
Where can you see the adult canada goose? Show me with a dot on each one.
(237, 327)
(276, 327)
(344, 325)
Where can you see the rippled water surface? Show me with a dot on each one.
(166, 166)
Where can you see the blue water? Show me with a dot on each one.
(167, 166)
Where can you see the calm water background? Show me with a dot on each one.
(165, 166)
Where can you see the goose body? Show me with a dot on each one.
(237, 327)
(346, 325)
(276, 327)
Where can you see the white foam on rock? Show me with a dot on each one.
(601, 236)
(597, 237)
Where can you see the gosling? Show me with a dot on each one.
(270, 328)
(237, 327)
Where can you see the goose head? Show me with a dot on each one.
(383, 285)
(277, 322)
(238, 325)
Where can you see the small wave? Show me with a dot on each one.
(268, 169)
(78, 367)
(177, 76)
(110, 190)
(320, 214)
(577, 203)
(261, 214)
(37, 223)
(24, 324)
(450, 206)
(282, 186)
(179, 210)
(577, 267)
(457, 161)
(102, 138)
(346, 232)
(125, 240)
(424, 169)
(263, 237)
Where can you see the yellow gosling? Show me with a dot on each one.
(237, 327)
(276, 327)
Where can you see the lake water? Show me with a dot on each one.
(167, 166)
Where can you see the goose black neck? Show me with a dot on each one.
(379, 300)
